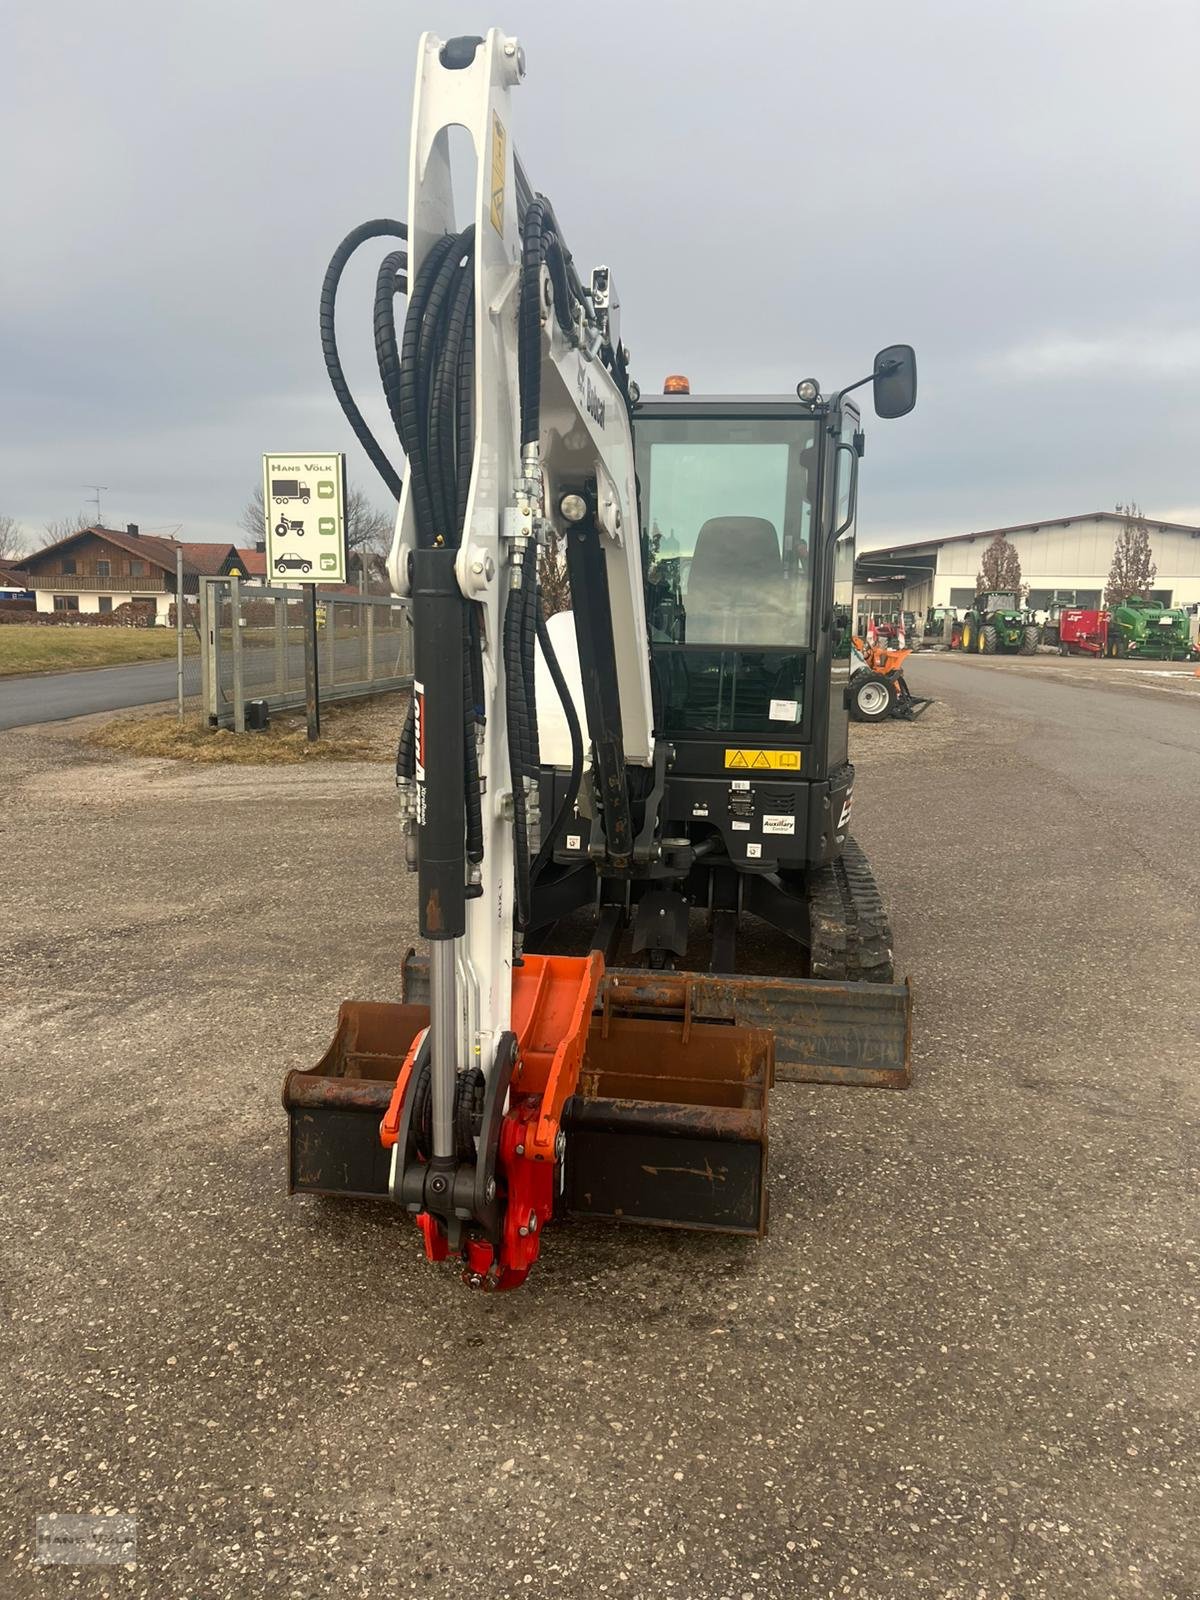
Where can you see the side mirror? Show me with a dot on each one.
(895, 381)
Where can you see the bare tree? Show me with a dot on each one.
(252, 521)
(368, 527)
(1000, 570)
(1133, 571)
(64, 527)
(554, 586)
(12, 538)
(373, 564)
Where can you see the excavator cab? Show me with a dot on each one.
(748, 508)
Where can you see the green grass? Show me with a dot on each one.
(26, 647)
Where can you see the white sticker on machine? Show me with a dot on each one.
(784, 711)
(753, 852)
(779, 824)
(740, 827)
(845, 816)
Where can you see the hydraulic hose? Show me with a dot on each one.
(429, 382)
(380, 228)
(427, 374)
(568, 704)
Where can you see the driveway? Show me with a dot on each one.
(963, 1364)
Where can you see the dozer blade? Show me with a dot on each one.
(856, 1034)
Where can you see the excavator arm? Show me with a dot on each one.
(508, 389)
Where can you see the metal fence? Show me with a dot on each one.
(252, 647)
(189, 663)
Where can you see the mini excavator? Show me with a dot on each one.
(626, 745)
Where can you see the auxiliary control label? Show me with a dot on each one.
(779, 824)
(763, 760)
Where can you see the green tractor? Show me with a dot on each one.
(996, 623)
(1140, 627)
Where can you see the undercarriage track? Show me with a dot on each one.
(850, 931)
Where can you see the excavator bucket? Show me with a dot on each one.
(668, 1123)
(661, 1130)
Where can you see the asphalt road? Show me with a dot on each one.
(55, 696)
(963, 1365)
(52, 696)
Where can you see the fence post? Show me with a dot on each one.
(369, 608)
(312, 687)
(179, 630)
(201, 593)
(210, 669)
(331, 640)
(239, 688)
(281, 646)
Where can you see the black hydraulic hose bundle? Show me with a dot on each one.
(428, 382)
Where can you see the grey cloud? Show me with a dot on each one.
(780, 189)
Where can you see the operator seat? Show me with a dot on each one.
(735, 591)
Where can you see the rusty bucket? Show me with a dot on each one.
(661, 1130)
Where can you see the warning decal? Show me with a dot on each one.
(499, 144)
(763, 760)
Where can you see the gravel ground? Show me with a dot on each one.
(962, 1365)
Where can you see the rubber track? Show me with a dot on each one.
(850, 931)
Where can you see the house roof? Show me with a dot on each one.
(199, 560)
(208, 560)
(1152, 523)
(13, 577)
(160, 551)
(252, 562)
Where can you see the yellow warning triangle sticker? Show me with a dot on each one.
(760, 759)
(738, 760)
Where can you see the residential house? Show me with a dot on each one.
(251, 565)
(98, 569)
(14, 582)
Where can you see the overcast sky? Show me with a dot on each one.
(780, 189)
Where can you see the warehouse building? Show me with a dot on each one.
(1067, 559)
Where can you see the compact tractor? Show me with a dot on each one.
(1146, 629)
(594, 802)
(995, 624)
(878, 688)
